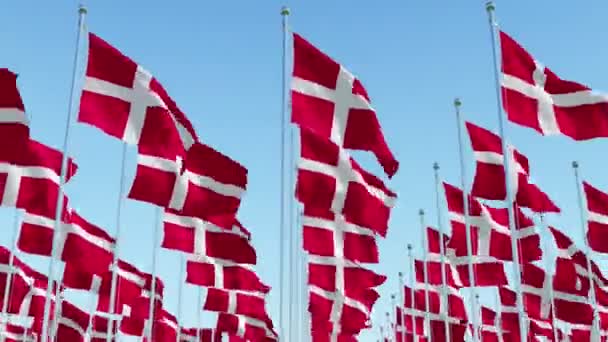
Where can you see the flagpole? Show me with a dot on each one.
(444, 287)
(498, 318)
(427, 318)
(182, 276)
(64, 161)
(283, 195)
(551, 296)
(466, 207)
(402, 304)
(507, 168)
(113, 285)
(583, 219)
(413, 290)
(388, 323)
(198, 313)
(159, 222)
(11, 262)
(393, 305)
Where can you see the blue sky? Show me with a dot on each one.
(221, 62)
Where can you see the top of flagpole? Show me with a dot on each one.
(285, 10)
(435, 166)
(490, 6)
(82, 9)
(457, 102)
(575, 164)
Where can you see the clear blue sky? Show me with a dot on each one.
(221, 62)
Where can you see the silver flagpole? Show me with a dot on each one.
(393, 327)
(155, 247)
(427, 318)
(388, 326)
(11, 262)
(71, 105)
(466, 206)
(498, 318)
(402, 304)
(413, 290)
(444, 287)
(594, 327)
(547, 265)
(113, 285)
(180, 290)
(198, 313)
(283, 195)
(507, 168)
(479, 312)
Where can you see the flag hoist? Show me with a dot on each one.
(507, 167)
(444, 288)
(64, 163)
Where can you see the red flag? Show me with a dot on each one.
(125, 101)
(329, 179)
(14, 126)
(535, 97)
(328, 100)
(489, 182)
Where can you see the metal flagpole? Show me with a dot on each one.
(11, 261)
(444, 285)
(412, 290)
(427, 318)
(58, 211)
(479, 315)
(159, 222)
(93, 307)
(283, 195)
(114, 285)
(498, 318)
(402, 304)
(507, 168)
(393, 327)
(547, 265)
(582, 211)
(180, 290)
(198, 313)
(388, 326)
(466, 206)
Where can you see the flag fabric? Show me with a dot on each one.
(490, 180)
(328, 100)
(535, 97)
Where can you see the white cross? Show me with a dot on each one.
(183, 180)
(200, 227)
(139, 96)
(343, 173)
(342, 97)
(338, 304)
(12, 185)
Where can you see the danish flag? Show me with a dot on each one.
(329, 179)
(328, 100)
(193, 235)
(489, 182)
(597, 213)
(125, 101)
(224, 274)
(535, 97)
(250, 304)
(206, 183)
(14, 125)
(31, 181)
